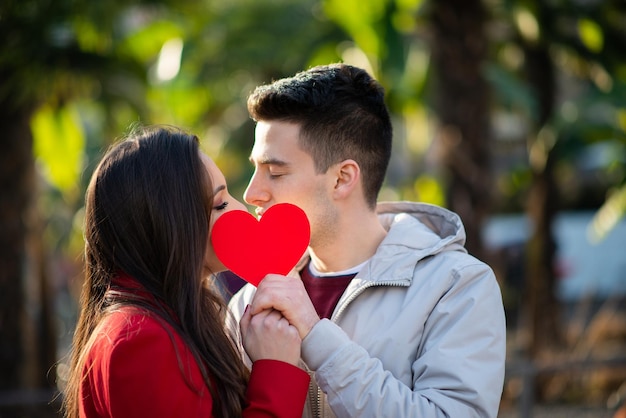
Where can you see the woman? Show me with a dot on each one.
(150, 339)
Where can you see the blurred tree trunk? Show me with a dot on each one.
(27, 338)
(16, 183)
(540, 302)
(459, 48)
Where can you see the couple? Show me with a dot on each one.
(387, 315)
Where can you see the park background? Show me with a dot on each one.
(510, 112)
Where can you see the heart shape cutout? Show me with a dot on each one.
(253, 248)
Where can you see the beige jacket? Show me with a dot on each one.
(419, 332)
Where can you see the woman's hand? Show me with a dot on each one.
(268, 335)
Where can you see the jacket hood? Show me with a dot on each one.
(414, 231)
(421, 226)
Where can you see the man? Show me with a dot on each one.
(411, 325)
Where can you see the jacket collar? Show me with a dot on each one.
(415, 231)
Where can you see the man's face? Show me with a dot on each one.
(284, 173)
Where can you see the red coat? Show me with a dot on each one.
(132, 370)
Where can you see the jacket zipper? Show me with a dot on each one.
(316, 401)
(314, 396)
(335, 317)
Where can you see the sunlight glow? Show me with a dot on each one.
(608, 216)
(168, 64)
(527, 25)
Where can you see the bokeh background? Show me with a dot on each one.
(510, 112)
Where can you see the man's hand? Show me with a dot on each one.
(287, 295)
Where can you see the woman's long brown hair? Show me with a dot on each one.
(148, 207)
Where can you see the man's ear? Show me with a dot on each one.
(348, 177)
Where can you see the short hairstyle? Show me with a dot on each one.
(342, 115)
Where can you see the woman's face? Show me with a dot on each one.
(222, 202)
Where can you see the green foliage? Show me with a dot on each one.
(363, 20)
(591, 35)
(144, 43)
(429, 190)
(59, 144)
(90, 69)
(511, 92)
(583, 44)
(75, 59)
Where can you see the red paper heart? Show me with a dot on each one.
(252, 249)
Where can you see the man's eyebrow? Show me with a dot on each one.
(268, 161)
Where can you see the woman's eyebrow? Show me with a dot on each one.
(219, 189)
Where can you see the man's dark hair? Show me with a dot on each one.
(342, 115)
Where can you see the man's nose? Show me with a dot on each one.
(255, 194)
